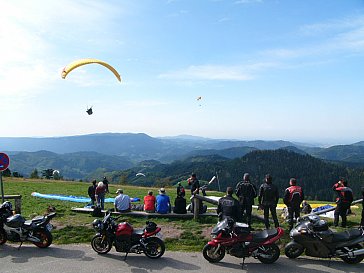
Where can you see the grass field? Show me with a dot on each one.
(71, 227)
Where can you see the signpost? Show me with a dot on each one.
(4, 164)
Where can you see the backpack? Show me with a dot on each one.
(348, 196)
(96, 212)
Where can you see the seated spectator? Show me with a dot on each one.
(163, 204)
(306, 207)
(122, 202)
(149, 202)
(180, 205)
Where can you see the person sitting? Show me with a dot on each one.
(163, 203)
(180, 205)
(122, 202)
(229, 207)
(149, 202)
(306, 207)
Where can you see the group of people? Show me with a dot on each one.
(268, 197)
(240, 210)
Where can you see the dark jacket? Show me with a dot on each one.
(268, 195)
(91, 191)
(229, 207)
(180, 205)
(246, 192)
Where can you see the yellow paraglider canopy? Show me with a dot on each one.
(81, 62)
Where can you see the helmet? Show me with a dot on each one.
(7, 205)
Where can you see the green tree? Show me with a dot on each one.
(34, 174)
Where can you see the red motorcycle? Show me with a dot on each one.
(237, 240)
(127, 239)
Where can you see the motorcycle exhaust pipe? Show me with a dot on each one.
(33, 239)
(352, 254)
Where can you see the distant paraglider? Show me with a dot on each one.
(199, 100)
(81, 62)
(89, 111)
(140, 174)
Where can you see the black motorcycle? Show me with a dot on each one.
(16, 229)
(313, 236)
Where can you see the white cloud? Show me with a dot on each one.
(31, 34)
(218, 72)
(209, 72)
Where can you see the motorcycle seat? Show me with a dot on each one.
(346, 235)
(264, 235)
(138, 231)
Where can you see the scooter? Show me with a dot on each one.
(127, 239)
(313, 236)
(16, 229)
(237, 240)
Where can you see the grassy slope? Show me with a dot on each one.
(73, 227)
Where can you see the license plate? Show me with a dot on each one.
(49, 227)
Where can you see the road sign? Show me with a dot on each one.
(4, 161)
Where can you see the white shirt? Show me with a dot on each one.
(122, 202)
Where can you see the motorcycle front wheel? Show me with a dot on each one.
(154, 248)
(45, 238)
(356, 259)
(293, 250)
(99, 245)
(213, 254)
(268, 254)
(3, 237)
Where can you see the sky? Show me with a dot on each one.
(264, 69)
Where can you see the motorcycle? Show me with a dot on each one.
(313, 236)
(16, 229)
(237, 240)
(127, 239)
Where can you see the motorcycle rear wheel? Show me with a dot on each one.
(271, 254)
(356, 259)
(3, 237)
(45, 238)
(154, 248)
(100, 246)
(293, 250)
(210, 255)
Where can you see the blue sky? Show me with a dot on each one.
(290, 70)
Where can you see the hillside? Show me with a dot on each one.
(72, 165)
(315, 175)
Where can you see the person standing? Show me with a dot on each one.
(149, 202)
(106, 184)
(122, 202)
(246, 192)
(229, 207)
(91, 192)
(293, 197)
(163, 203)
(268, 199)
(194, 183)
(343, 201)
(180, 190)
(100, 194)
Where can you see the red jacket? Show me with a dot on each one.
(287, 199)
(149, 203)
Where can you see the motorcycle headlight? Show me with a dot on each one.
(97, 224)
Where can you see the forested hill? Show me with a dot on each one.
(315, 175)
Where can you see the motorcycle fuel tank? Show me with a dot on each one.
(124, 229)
(15, 221)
